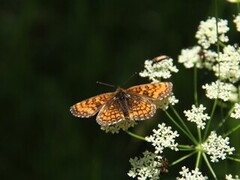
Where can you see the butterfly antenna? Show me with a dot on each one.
(130, 77)
(105, 84)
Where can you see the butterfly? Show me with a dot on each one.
(135, 103)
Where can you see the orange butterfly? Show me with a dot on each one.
(134, 103)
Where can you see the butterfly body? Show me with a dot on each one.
(134, 103)
(122, 99)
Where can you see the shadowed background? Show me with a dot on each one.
(51, 55)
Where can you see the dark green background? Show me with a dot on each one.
(52, 53)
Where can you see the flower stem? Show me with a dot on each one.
(199, 134)
(198, 159)
(185, 147)
(188, 133)
(209, 165)
(182, 158)
(231, 131)
(195, 86)
(234, 159)
(209, 122)
(224, 119)
(135, 135)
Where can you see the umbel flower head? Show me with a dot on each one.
(221, 90)
(217, 147)
(163, 137)
(236, 111)
(155, 71)
(237, 21)
(186, 174)
(230, 177)
(208, 33)
(196, 56)
(227, 67)
(115, 128)
(148, 166)
(196, 115)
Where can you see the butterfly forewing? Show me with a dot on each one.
(91, 106)
(155, 91)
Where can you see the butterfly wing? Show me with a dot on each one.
(111, 113)
(91, 106)
(140, 108)
(128, 107)
(154, 91)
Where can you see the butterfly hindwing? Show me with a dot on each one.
(111, 113)
(140, 108)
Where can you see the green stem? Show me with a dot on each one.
(135, 135)
(234, 159)
(183, 158)
(198, 159)
(185, 147)
(209, 122)
(209, 165)
(199, 134)
(224, 119)
(195, 85)
(188, 133)
(231, 131)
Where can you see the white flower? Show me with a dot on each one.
(115, 128)
(217, 147)
(164, 103)
(157, 70)
(236, 111)
(228, 64)
(146, 167)
(163, 137)
(237, 21)
(207, 32)
(210, 58)
(233, 1)
(190, 57)
(221, 90)
(191, 175)
(197, 56)
(196, 115)
(230, 177)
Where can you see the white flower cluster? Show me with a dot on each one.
(162, 138)
(146, 167)
(221, 90)
(207, 32)
(196, 56)
(224, 64)
(237, 21)
(228, 67)
(236, 111)
(217, 147)
(234, 1)
(190, 57)
(191, 175)
(115, 128)
(157, 70)
(164, 103)
(196, 115)
(230, 177)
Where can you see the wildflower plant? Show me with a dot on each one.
(209, 142)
